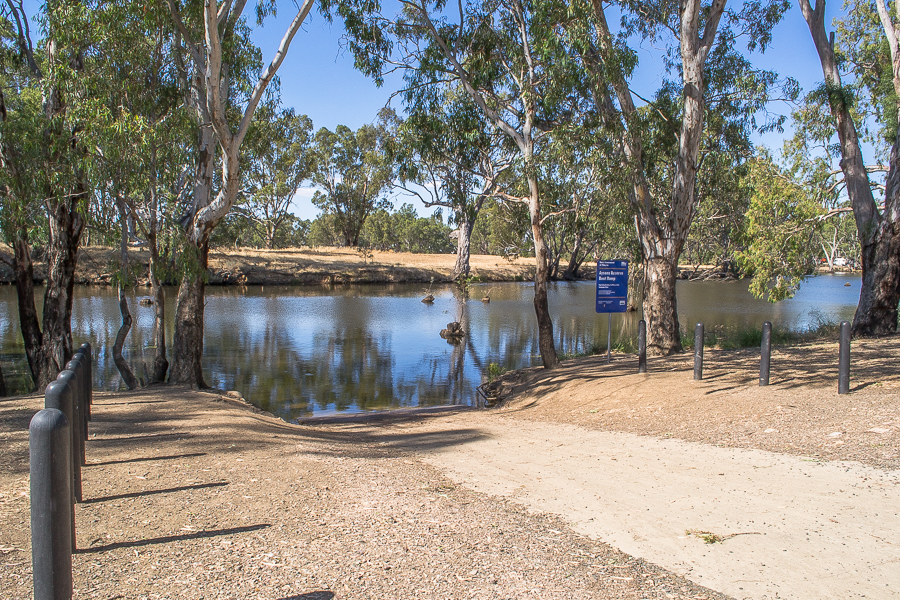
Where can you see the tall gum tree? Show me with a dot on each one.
(663, 217)
(44, 167)
(505, 55)
(878, 231)
(446, 147)
(355, 173)
(209, 96)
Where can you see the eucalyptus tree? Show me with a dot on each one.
(506, 56)
(210, 35)
(142, 151)
(280, 159)
(878, 230)
(453, 155)
(664, 142)
(578, 172)
(782, 222)
(807, 203)
(45, 176)
(355, 173)
(503, 230)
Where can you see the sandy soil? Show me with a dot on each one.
(193, 495)
(319, 266)
(589, 482)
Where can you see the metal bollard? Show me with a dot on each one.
(73, 375)
(78, 365)
(844, 363)
(698, 352)
(85, 350)
(765, 354)
(642, 346)
(51, 493)
(59, 395)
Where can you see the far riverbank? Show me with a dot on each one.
(329, 266)
(305, 266)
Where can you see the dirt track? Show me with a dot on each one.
(192, 495)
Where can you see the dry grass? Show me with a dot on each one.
(315, 266)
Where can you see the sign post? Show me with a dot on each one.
(612, 293)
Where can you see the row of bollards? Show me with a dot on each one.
(57, 437)
(765, 359)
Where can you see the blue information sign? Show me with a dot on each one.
(612, 286)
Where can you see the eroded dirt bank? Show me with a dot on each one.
(306, 266)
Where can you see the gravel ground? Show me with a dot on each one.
(192, 495)
(195, 495)
(799, 413)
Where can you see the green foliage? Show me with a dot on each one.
(405, 231)
(781, 221)
(502, 230)
(278, 160)
(862, 50)
(322, 232)
(354, 173)
(494, 371)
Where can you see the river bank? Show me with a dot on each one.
(716, 482)
(304, 266)
(334, 266)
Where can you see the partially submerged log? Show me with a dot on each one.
(454, 330)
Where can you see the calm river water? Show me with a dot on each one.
(299, 351)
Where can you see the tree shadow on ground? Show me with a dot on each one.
(172, 538)
(182, 488)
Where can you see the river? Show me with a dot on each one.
(301, 351)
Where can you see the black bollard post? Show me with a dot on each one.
(85, 350)
(51, 493)
(59, 395)
(78, 365)
(844, 363)
(642, 346)
(73, 375)
(698, 352)
(765, 352)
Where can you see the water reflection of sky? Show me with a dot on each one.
(298, 351)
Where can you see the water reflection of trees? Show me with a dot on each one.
(298, 351)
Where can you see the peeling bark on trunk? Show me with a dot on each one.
(187, 346)
(541, 276)
(66, 226)
(876, 312)
(463, 247)
(466, 216)
(661, 307)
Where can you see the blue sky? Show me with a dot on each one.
(318, 78)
